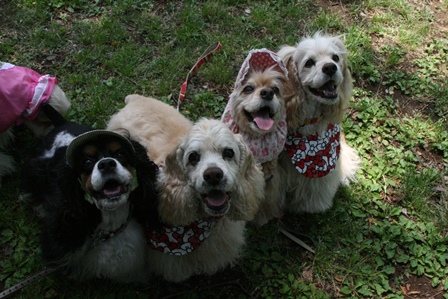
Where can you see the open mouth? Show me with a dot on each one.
(262, 118)
(327, 91)
(216, 202)
(112, 190)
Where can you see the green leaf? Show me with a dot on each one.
(345, 290)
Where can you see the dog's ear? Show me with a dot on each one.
(293, 87)
(173, 164)
(250, 190)
(347, 85)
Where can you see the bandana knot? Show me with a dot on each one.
(316, 155)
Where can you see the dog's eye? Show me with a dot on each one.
(335, 57)
(121, 157)
(228, 153)
(309, 63)
(275, 90)
(194, 158)
(248, 89)
(88, 163)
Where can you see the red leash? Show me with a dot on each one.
(204, 58)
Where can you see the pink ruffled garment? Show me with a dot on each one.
(268, 146)
(22, 92)
(264, 147)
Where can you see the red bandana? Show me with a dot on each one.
(180, 240)
(316, 155)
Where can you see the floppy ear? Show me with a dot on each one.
(250, 190)
(347, 85)
(144, 197)
(176, 203)
(293, 87)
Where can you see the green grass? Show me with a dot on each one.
(390, 225)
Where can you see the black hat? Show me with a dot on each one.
(93, 135)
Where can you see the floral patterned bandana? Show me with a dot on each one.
(179, 239)
(268, 146)
(315, 156)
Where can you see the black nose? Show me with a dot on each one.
(267, 94)
(329, 69)
(107, 165)
(213, 175)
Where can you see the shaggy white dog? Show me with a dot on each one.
(209, 186)
(317, 159)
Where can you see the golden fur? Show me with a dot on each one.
(244, 102)
(312, 64)
(151, 122)
(188, 153)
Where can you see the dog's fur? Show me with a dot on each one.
(7, 163)
(149, 127)
(40, 126)
(208, 173)
(71, 224)
(262, 90)
(312, 63)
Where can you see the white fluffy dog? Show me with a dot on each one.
(316, 158)
(209, 186)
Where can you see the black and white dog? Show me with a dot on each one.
(94, 190)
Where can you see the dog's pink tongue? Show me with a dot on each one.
(264, 122)
(216, 199)
(112, 190)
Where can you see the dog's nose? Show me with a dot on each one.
(213, 175)
(267, 94)
(107, 165)
(329, 69)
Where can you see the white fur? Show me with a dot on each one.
(120, 258)
(63, 139)
(316, 194)
(182, 185)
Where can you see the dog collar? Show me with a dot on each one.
(316, 155)
(265, 147)
(311, 121)
(100, 236)
(180, 239)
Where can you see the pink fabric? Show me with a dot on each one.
(268, 146)
(260, 60)
(22, 92)
(265, 147)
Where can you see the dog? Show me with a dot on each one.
(256, 110)
(92, 190)
(209, 186)
(7, 163)
(316, 158)
(22, 94)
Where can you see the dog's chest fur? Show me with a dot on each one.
(120, 258)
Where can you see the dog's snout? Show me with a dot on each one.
(107, 165)
(267, 94)
(213, 175)
(329, 69)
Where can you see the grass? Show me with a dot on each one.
(385, 237)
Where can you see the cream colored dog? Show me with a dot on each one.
(317, 159)
(209, 186)
(256, 110)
